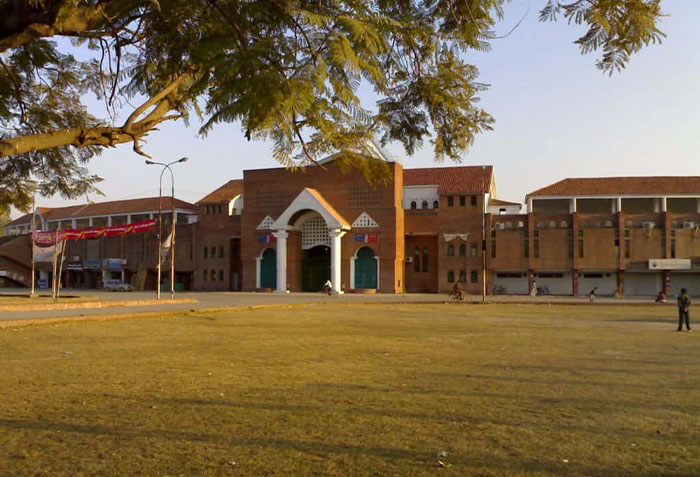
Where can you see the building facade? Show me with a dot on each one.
(418, 230)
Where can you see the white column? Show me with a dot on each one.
(128, 218)
(573, 204)
(257, 272)
(619, 204)
(73, 224)
(529, 206)
(281, 236)
(336, 235)
(109, 221)
(89, 221)
(663, 204)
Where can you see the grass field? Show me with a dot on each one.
(356, 390)
(18, 299)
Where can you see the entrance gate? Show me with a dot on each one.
(268, 269)
(316, 268)
(365, 269)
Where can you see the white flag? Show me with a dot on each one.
(166, 246)
(45, 254)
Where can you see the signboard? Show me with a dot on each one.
(42, 283)
(669, 264)
(111, 264)
(266, 238)
(91, 265)
(75, 266)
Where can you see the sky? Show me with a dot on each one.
(556, 115)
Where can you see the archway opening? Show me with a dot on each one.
(365, 268)
(316, 268)
(268, 269)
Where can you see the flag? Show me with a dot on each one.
(166, 245)
(367, 238)
(45, 254)
(266, 238)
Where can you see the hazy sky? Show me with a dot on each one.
(556, 116)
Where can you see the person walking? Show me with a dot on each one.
(683, 310)
(592, 294)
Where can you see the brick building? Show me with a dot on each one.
(422, 230)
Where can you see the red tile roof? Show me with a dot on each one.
(655, 185)
(225, 193)
(503, 202)
(114, 207)
(451, 180)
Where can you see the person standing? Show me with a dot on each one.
(683, 310)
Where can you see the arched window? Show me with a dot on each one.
(413, 204)
(563, 224)
(436, 204)
(450, 251)
(552, 224)
(416, 259)
(509, 225)
(424, 204)
(521, 224)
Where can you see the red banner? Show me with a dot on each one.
(48, 238)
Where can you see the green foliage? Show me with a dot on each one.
(287, 70)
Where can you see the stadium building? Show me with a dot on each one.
(422, 230)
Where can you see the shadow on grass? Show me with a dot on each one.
(411, 457)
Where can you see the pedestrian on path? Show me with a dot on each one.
(592, 295)
(683, 310)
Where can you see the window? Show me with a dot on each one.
(450, 251)
(627, 243)
(424, 204)
(472, 250)
(218, 209)
(213, 275)
(463, 250)
(536, 244)
(463, 276)
(475, 276)
(425, 259)
(580, 244)
(413, 204)
(206, 274)
(673, 248)
(221, 275)
(221, 252)
(206, 252)
(416, 259)
(213, 252)
(450, 201)
(462, 200)
(450, 276)
(526, 245)
(436, 204)
(473, 200)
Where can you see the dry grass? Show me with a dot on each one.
(19, 299)
(355, 389)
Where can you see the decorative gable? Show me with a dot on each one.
(266, 223)
(364, 221)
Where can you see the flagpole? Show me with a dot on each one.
(32, 292)
(53, 278)
(60, 268)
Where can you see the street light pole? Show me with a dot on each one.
(172, 223)
(483, 235)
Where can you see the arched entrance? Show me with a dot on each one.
(365, 268)
(316, 268)
(268, 269)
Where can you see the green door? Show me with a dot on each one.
(365, 269)
(268, 269)
(316, 268)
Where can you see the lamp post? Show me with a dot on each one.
(172, 223)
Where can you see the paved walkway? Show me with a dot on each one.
(212, 300)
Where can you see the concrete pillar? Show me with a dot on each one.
(73, 224)
(621, 283)
(336, 235)
(281, 236)
(258, 261)
(573, 204)
(574, 282)
(663, 204)
(109, 221)
(89, 221)
(529, 206)
(128, 218)
(619, 204)
(666, 276)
